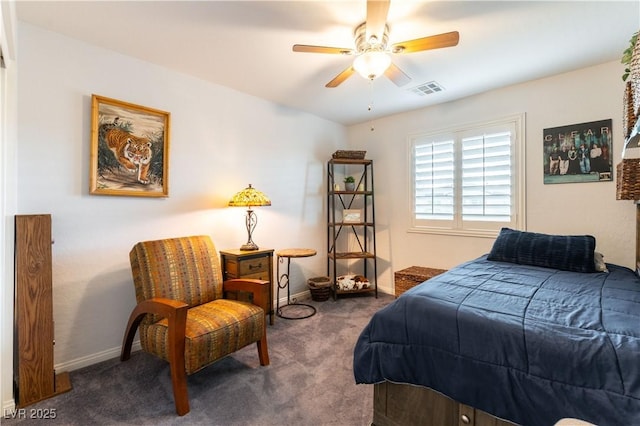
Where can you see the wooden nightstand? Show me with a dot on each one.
(256, 264)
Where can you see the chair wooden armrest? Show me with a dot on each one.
(176, 312)
(259, 289)
(173, 310)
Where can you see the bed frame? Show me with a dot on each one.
(409, 405)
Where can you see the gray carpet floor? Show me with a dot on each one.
(309, 381)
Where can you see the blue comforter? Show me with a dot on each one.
(524, 343)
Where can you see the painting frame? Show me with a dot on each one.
(352, 215)
(129, 149)
(578, 153)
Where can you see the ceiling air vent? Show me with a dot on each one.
(427, 88)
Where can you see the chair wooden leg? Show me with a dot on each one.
(180, 392)
(177, 326)
(263, 350)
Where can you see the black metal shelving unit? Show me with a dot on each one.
(359, 233)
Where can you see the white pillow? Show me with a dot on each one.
(598, 259)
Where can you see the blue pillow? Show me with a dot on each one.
(564, 252)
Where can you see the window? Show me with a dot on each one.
(469, 180)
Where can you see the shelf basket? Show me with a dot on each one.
(320, 288)
(351, 155)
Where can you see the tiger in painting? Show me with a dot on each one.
(132, 152)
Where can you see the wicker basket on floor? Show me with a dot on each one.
(412, 276)
(320, 288)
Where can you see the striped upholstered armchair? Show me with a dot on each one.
(181, 311)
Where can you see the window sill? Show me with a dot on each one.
(480, 233)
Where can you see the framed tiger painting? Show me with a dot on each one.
(129, 149)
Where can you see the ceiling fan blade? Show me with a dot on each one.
(322, 49)
(396, 75)
(341, 77)
(427, 43)
(377, 11)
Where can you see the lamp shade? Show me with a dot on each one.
(249, 197)
(372, 63)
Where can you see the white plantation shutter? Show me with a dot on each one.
(434, 175)
(466, 181)
(486, 177)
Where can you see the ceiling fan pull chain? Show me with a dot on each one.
(370, 108)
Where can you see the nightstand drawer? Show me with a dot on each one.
(258, 276)
(230, 269)
(253, 266)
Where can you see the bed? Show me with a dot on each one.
(530, 333)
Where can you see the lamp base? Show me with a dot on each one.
(249, 246)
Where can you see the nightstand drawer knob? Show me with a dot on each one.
(465, 419)
(253, 266)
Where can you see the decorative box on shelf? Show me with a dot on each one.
(351, 155)
(412, 276)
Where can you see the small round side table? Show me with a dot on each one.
(283, 282)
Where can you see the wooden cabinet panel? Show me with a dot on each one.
(485, 419)
(34, 308)
(435, 408)
(34, 375)
(467, 415)
(408, 405)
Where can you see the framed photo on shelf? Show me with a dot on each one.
(129, 149)
(352, 215)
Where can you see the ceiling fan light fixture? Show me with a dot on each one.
(372, 51)
(371, 64)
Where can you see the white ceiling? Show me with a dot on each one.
(246, 45)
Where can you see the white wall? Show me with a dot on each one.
(221, 140)
(586, 95)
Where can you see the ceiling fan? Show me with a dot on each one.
(372, 50)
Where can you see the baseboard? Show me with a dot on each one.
(8, 408)
(88, 360)
(307, 295)
(386, 290)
